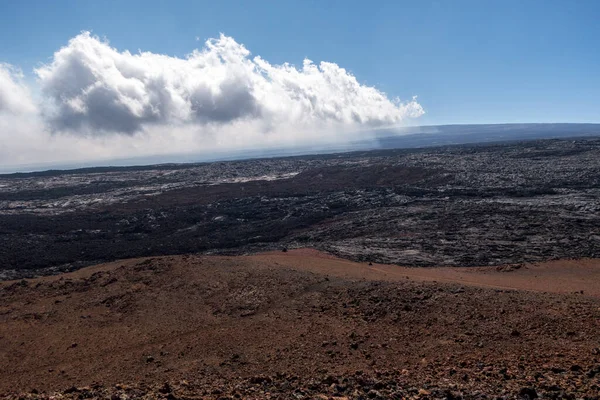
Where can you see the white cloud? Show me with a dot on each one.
(14, 95)
(99, 103)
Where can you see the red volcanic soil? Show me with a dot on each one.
(301, 325)
(561, 276)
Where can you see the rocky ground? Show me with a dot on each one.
(468, 205)
(294, 325)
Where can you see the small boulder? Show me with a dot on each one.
(166, 388)
(528, 393)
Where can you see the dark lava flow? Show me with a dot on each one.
(448, 206)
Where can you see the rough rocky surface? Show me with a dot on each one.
(293, 325)
(450, 206)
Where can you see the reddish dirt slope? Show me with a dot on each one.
(301, 324)
(561, 276)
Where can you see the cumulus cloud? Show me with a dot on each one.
(100, 102)
(99, 89)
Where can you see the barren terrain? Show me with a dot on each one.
(460, 272)
(300, 325)
(470, 205)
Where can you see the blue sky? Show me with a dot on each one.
(90, 82)
(468, 61)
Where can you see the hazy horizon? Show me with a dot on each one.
(410, 137)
